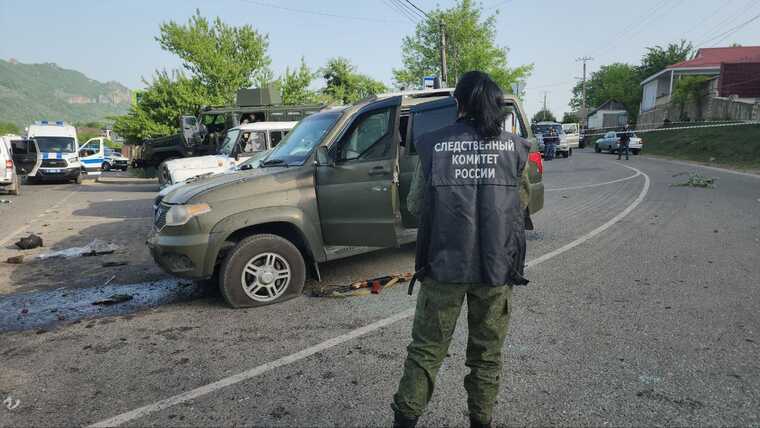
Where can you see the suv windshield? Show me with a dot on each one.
(543, 129)
(570, 129)
(229, 141)
(297, 146)
(55, 144)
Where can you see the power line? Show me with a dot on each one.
(731, 31)
(420, 10)
(408, 9)
(732, 17)
(395, 7)
(314, 12)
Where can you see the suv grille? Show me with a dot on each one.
(159, 218)
(54, 163)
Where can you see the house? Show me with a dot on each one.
(734, 73)
(611, 114)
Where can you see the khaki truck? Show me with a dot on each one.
(336, 186)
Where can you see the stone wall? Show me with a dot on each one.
(711, 108)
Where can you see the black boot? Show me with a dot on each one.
(474, 423)
(402, 421)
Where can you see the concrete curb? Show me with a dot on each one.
(125, 180)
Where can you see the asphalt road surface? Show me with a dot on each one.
(642, 310)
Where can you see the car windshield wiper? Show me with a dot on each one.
(270, 162)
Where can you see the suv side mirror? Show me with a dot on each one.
(324, 158)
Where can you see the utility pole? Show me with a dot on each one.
(583, 91)
(444, 68)
(544, 109)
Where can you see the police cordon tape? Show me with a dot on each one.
(678, 128)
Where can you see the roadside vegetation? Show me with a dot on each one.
(734, 146)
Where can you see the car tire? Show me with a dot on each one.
(272, 256)
(15, 188)
(164, 178)
(78, 179)
(106, 166)
(597, 149)
(636, 152)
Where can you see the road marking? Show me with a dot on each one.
(713, 168)
(29, 224)
(385, 322)
(638, 173)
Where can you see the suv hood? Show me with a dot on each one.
(198, 162)
(185, 192)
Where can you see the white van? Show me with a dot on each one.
(240, 144)
(58, 145)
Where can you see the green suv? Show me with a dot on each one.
(334, 187)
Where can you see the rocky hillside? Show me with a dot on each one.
(30, 92)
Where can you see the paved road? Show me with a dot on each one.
(642, 310)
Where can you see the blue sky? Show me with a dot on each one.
(110, 40)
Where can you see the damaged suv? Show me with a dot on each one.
(336, 186)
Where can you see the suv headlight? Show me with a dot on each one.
(181, 214)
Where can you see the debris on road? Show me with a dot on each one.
(695, 180)
(362, 288)
(5, 201)
(94, 248)
(15, 260)
(113, 299)
(31, 241)
(114, 264)
(109, 280)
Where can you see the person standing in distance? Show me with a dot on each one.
(470, 195)
(625, 141)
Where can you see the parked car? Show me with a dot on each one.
(572, 135)
(611, 141)
(240, 143)
(9, 177)
(541, 128)
(114, 160)
(334, 187)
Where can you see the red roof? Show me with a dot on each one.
(714, 57)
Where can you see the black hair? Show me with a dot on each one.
(479, 99)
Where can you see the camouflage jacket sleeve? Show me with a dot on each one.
(524, 188)
(414, 199)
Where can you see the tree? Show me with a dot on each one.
(294, 86)
(470, 45)
(570, 117)
(157, 113)
(543, 115)
(344, 85)
(223, 58)
(658, 58)
(9, 128)
(618, 81)
(690, 89)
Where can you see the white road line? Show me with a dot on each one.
(586, 186)
(258, 370)
(29, 224)
(712, 168)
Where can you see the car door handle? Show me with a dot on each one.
(379, 170)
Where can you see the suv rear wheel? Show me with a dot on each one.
(261, 270)
(15, 188)
(597, 149)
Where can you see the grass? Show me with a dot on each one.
(735, 146)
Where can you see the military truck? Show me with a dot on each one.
(203, 135)
(336, 186)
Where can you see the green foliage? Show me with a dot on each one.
(658, 58)
(731, 145)
(570, 117)
(157, 113)
(30, 92)
(84, 134)
(9, 128)
(222, 58)
(295, 86)
(470, 45)
(543, 116)
(344, 85)
(616, 81)
(689, 88)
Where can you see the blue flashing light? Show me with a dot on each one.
(59, 122)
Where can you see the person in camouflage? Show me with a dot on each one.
(438, 308)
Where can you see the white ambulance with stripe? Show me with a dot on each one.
(59, 149)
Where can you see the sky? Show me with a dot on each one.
(109, 40)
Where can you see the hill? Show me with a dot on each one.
(30, 92)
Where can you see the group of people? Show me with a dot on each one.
(551, 140)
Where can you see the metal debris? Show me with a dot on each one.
(362, 288)
(113, 299)
(15, 260)
(94, 248)
(31, 241)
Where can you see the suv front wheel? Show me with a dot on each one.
(261, 270)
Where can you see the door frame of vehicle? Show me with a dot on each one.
(373, 218)
(26, 163)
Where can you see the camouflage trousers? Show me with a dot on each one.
(438, 308)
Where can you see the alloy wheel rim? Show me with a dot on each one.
(265, 277)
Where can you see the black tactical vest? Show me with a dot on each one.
(471, 228)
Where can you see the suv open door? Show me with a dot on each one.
(357, 183)
(26, 156)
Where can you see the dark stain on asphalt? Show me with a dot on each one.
(680, 402)
(46, 309)
(279, 412)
